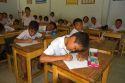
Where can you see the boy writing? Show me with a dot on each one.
(59, 48)
(28, 36)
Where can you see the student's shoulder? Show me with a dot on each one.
(58, 40)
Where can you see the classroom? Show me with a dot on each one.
(62, 41)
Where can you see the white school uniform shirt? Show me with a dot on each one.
(57, 47)
(96, 25)
(52, 19)
(86, 25)
(27, 20)
(25, 35)
(10, 21)
(113, 27)
(8, 28)
(73, 31)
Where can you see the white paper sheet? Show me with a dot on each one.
(27, 44)
(76, 63)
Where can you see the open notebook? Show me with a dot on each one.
(74, 63)
(27, 44)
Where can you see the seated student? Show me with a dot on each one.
(46, 20)
(5, 18)
(40, 20)
(2, 29)
(1, 18)
(94, 24)
(27, 36)
(27, 17)
(117, 26)
(77, 26)
(51, 27)
(61, 47)
(86, 23)
(60, 22)
(10, 20)
(35, 18)
(52, 17)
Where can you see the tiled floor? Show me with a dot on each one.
(116, 74)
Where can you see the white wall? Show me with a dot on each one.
(117, 10)
(9, 7)
(106, 11)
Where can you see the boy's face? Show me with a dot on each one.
(32, 32)
(86, 20)
(72, 45)
(93, 21)
(27, 12)
(78, 26)
(118, 24)
(50, 27)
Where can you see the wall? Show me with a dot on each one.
(117, 10)
(9, 7)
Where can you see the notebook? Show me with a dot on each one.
(74, 63)
(27, 44)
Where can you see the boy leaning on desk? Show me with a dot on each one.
(61, 47)
(28, 36)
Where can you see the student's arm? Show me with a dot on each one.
(47, 58)
(23, 40)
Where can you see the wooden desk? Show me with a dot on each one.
(29, 52)
(83, 75)
(106, 46)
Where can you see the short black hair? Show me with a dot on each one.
(46, 18)
(34, 25)
(2, 29)
(82, 39)
(85, 17)
(93, 18)
(119, 20)
(17, 21)
(35, 16)
(76, 20)
(54, 24)
(60, 21)
(27, 8)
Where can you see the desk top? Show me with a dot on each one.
(105, 45)
(30, 48)
(90, 74)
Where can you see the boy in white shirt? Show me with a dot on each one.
(77, 26)
(94, 24)
(27, 17)
(117, 26)
(61, 47)
(27, 36)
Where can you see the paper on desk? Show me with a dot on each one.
(27, 44)
(76, 63)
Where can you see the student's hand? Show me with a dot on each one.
(29, 40)
(80, 57)
(68, 57)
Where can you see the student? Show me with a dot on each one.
(46, 20)
(5, 18)
(94, 24)
(51, 28)
(35, 18)
(27, 36)
(10, 20)
(40, 20)
(2, 29)
(27, 17)
(60, 22)
(117, 26)
(61, 47)
(52, 17)
(1, 18)
(77, 26)
(86, 23)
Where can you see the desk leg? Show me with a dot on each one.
(29, 73)
(55, 74)
(46, 72)
(15, 64)
(105, 75)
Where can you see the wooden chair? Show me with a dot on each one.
(62, 33)
(115, 37)
(63, 28)
(47, 67)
